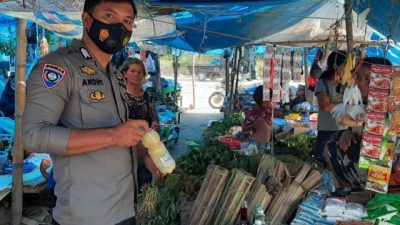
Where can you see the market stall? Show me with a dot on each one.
(248, 171)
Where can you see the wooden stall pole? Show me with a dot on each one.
(175, 66)
(159, 88)
(232, 80)
(18, 152)
(226, 85)
(227, 76)
(306, 72)
(193, 82)
(238, 65)
(348, 10)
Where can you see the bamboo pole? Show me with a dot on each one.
(193, 88)
(239, 62)
(306, 72)
(159, 89)
(317, 43)
(17, 184)
(175, 66)
(226, 85)
(348, 10)
(232, 80)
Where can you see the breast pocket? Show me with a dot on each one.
(98, 108)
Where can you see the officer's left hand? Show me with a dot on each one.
(148, 162)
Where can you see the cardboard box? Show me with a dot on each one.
(300, 130)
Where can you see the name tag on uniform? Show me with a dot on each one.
(92, 82)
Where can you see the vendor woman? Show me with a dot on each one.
(327, 91)
(344, 152)
(258, 121)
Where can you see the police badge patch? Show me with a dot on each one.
(97, 96)
(85, 53)
(52, 75)
(87, 70)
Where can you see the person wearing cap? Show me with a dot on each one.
(76, 111)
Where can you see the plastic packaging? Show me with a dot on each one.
(158, 152)
(313, 204)
(334, 207)
(301, 219)
(259, 218)
(310, 214)
(354, 210)
(382, 211)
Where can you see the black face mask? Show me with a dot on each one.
(110, 38)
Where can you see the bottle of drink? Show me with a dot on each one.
(158, 152)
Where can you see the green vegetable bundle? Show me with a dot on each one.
(302, 145)
(221, 128)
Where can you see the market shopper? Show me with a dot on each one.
(140, 105)
(328, 94)
(76, 111)
(344, 152)
(258, 121)
(7, 98)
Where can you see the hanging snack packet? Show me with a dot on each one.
(378, 179)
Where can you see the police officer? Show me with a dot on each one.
(75, 111)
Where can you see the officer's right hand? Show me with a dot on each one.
(129, 133)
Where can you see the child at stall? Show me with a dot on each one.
(258, 121)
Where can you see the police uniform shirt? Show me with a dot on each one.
(68, 89)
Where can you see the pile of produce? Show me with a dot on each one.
(197, 161)
(221, 128)
(299, 145)
(160, 203)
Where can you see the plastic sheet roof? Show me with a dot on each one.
(202, 25)
(384, 16)
(216, 24)
(64, 18)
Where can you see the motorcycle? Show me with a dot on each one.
(216, 99)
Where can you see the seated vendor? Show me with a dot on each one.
(343, 153)
(258, 121)
(300, 96)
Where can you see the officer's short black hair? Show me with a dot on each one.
(132, 61)
(90, 4)
(258, 95)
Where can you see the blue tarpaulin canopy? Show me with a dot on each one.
(203, 25)
(207, 24)
(384, 16)
(210, 25)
